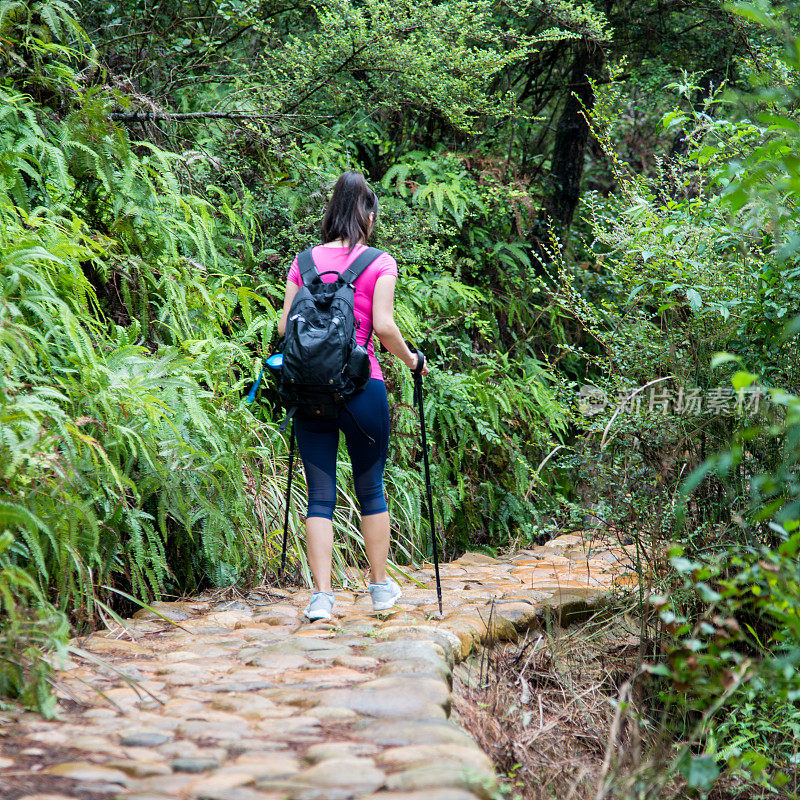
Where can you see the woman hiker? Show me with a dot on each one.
(346, 227)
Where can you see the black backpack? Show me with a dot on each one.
(323, 367)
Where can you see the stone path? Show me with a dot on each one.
(245, 700)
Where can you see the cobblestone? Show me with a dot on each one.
(251, 702)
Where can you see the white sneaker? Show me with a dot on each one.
(384, 595)
(320, 606)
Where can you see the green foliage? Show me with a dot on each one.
(437, 189)
(672, 269)
(734, 655)
(31, 626)
(122, 464)
(43, 42)
(717, 272)
(127, 458)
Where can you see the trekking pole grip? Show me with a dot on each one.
(420, 358)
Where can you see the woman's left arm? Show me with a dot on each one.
(291, 290)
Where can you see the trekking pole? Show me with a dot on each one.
(274, 363)
(421, 407)
(288, 500)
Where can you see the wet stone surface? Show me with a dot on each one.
(246, 700)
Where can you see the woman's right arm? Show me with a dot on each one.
(384, 325)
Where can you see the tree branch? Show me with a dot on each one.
(159, 116)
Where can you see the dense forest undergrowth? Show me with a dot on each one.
(593, 207)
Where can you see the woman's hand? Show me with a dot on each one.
(416, 363)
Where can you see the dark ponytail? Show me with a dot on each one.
(347, 215)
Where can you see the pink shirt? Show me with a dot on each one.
(338, 259)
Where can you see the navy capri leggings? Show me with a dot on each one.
(318, 441)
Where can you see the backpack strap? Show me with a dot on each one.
(359, 428)
(285, 424)
(308, 270)
(357, 267)
(360, 264)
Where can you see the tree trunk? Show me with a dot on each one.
(569, 146)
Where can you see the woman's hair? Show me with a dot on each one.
(347, 215)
